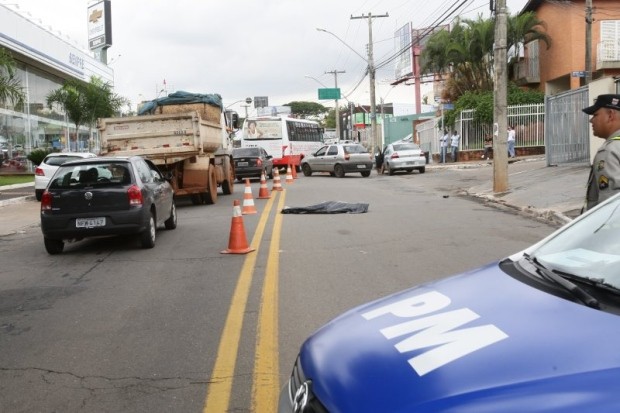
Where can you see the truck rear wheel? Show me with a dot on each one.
(210, 197)
(229, 182)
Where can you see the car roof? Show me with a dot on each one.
(80, 154)
(100, 159)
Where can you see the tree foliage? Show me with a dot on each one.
(464, 55)
(305, 109)
(84, 103)
(11, 90)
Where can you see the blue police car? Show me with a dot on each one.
(536, 332)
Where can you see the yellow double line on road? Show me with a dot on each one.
(266, 371)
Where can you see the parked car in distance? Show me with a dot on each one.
(537, 331)
(252, 162)
(403, 157)
(106, 196)
(338, 160)
(45, 170)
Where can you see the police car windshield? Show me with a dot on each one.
(589, 249)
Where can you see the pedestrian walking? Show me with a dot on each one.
(511, 141)
(604, 179)
(443, 143)
(454, 145)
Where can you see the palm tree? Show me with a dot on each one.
(11, 90)
(465, 54)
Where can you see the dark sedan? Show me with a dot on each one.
(106, 196)
(251, 162)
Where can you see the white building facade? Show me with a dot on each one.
(44, 62)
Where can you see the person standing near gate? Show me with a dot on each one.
(454, 144)
(511, 141)
(604, 179)
(443, 143)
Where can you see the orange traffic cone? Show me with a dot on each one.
(289, 174)
(294, 169)
(263, 192)
(277, 186)
(248, 201)
(237, 242)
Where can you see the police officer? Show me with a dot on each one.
(604, 180)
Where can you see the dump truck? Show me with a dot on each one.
(186, 135)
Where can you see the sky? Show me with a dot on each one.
(249, 48)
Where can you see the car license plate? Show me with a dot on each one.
(90, 222)
(242, 164)
(361, 166)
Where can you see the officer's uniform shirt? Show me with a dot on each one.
(604, 178)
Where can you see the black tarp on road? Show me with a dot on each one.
(328, 207)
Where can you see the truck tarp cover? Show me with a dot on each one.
(179, 98)
(328, 207)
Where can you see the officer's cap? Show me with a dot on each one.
(604, 101)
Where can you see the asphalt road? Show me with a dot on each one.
(109, 327)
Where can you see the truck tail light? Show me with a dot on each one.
(135, 196)
(46, 202)
(39, 172)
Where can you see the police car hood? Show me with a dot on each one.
(479, 342)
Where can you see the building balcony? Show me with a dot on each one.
(526, 71)
(608, 55)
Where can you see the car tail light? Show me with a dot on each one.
(135, 196)
(39, 172)
(394, 155)
(46, 202)
(347, 156)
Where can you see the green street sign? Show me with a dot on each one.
(329, 93)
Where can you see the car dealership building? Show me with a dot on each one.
(44, 60)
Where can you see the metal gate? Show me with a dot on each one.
(567, 136)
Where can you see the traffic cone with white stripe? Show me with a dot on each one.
(289, 174)
(237, 242)
(248, 201)
(277, 186)
(263, 192)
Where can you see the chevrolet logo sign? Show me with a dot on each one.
(95, 15)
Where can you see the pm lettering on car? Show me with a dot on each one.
(437, 333)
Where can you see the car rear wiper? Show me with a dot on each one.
(578, 292)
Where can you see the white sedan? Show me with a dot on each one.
(403, 157)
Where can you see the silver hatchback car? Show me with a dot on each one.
(338, 160)
(403, 157)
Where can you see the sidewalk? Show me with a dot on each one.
(553, 193)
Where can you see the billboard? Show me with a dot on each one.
(100, 25)
(402, 45)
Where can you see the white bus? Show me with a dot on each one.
(287, 139)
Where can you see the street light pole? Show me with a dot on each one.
(337, 108)
(371, 74)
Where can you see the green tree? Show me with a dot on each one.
(11, 90)
(465, 54)
(305, 109)
(84, 103)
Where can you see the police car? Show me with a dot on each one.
(536, 332)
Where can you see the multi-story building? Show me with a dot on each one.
(45, 60)
(562, 66)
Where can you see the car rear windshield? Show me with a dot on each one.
(59, 160)
(354, 149)
(91, 174)
(406, 147)
(240, 153)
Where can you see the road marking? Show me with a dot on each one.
(220, 384)
(266, 371)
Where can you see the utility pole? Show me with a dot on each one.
(589, 21)
(337, 109)
(371, 74)
(500, 126)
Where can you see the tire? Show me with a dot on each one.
(390, 171)
(38, 193)
(305, 168)
(339, 171)
(422, 169)
(210, 197)
(228, 185)
(196, 199)
(365, 174)
(270, 174)
(53, 246)
(171, 222)
(409, 170)
(148, 236)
